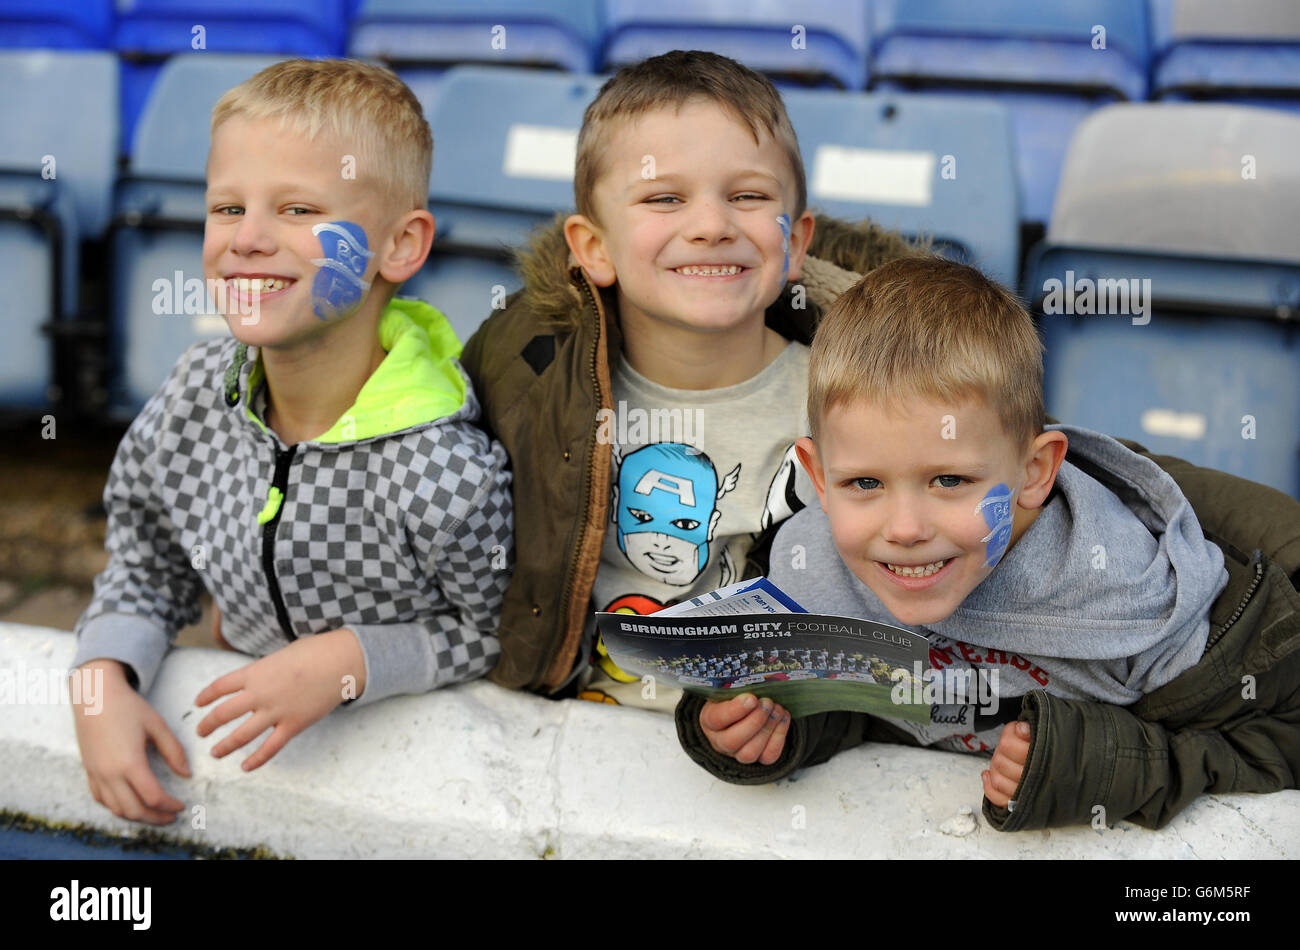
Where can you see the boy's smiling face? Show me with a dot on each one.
(688, 206)
(268, 187)
(903, 499)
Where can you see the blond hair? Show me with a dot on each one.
(928, 328)
(365, 107)
(673, 80)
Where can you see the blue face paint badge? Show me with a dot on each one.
(338, 286)
(784, 221)
(996, 509)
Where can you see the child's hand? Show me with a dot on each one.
(113, 750)
(288, 690)
(746, 728)
(1003, 775)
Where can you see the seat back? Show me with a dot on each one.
(921, 164)
(824, 43)
(413, 33)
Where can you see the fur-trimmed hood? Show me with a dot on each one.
(840, 253)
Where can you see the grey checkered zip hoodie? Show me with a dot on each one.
(403, 536)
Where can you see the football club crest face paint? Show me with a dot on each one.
(995, 507)
(338, 287)
(784, 221)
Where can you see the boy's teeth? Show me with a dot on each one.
(697, 271)
(260, 285)
(924, 570)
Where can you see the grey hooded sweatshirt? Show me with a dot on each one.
(1103, 597)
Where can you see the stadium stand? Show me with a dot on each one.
(149, 31)
(158, 225)
(1192, 207)
(927, 165)
(1250, 56)
(56, 180)
(421, 39)
(39, 24)
(504, 148)
(439, 33)
(1042, 61)
(821, 42)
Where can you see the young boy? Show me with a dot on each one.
(319, 474)
(648, 381)
(948, 507)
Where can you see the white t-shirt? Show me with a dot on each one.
(697, 475)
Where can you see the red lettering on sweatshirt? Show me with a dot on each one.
(973, 656)
(939, 657)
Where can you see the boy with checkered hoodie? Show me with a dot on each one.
(320, 474)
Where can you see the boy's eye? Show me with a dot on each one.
(866, 484)
(750, 196)
(228, 210)
(662, 199)
(949, 481)
(298, 209)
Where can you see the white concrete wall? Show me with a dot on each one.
(477, 771)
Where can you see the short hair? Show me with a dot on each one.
(365, 106)
(929, 328)
(672, 80)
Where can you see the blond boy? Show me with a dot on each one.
(1081, 586)
(319, 474)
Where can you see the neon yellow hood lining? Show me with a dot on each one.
(416, 383)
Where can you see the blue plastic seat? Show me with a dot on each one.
(151, 30)
(39, 24)
(830, 50)
(1207, 368)
(160, 213)
(1013, 42)
(434, 34)
(1039, 60)
(503, 164)
(56, 179)
(923, 164)
(1249, 57)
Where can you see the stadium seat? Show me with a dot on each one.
(424, 35)
(158, 232)
(503, 165)
(1199, 200)
(1042, 61)
(56, 179)
(923, 164)
(819, 42)
(39, 24)
(1248, 56)
(148, 31)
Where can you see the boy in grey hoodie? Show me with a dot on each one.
(933, 467)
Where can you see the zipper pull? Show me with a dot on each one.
(272, 506)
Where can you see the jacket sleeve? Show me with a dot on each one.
(811, 740)
(1121, 766)
(468, 549)
(149, 589)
